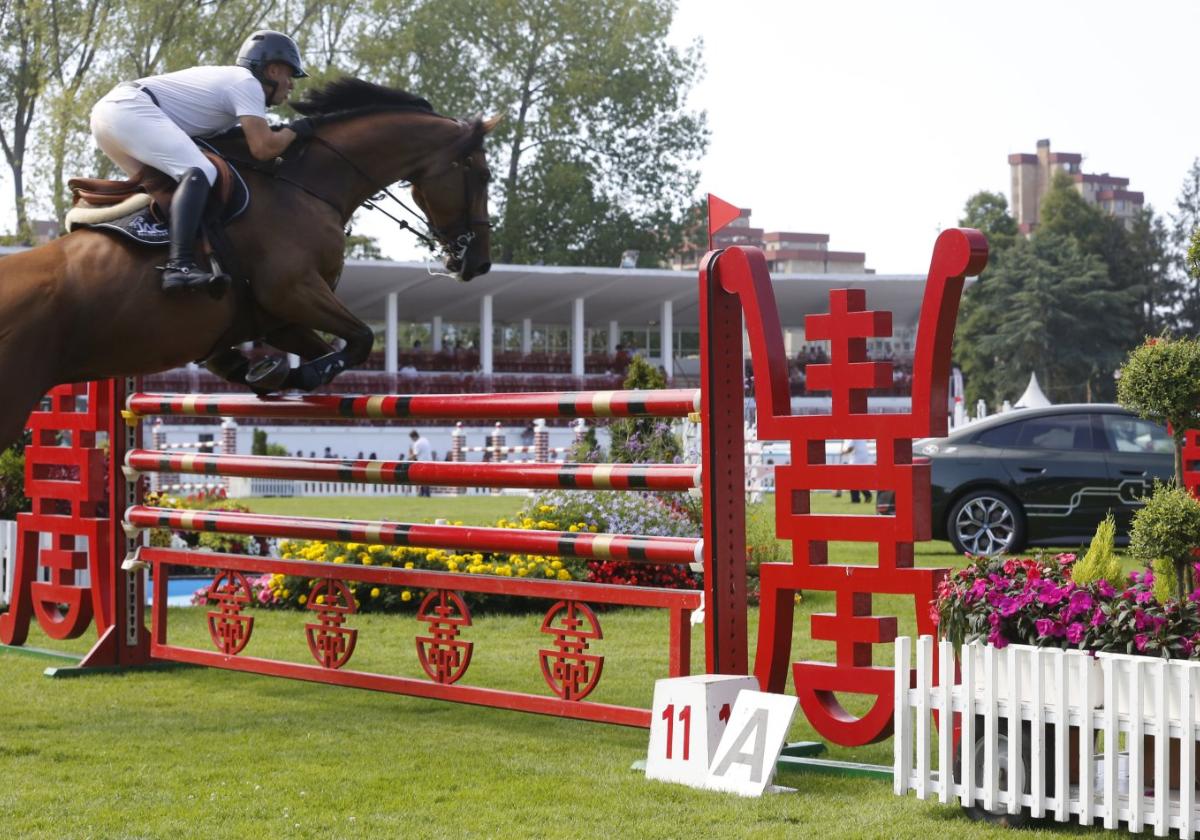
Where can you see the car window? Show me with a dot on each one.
(1133, 434)
(1063, 431)
(1005, 435)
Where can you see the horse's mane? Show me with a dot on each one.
(348, 96)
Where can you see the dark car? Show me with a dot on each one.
(1042, 476)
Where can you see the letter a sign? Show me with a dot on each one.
(753, 740)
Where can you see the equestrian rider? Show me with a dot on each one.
(151, 122)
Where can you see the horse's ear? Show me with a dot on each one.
(491, 122)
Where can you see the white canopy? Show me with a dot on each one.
(1033, 396)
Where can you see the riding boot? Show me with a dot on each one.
(187, 207)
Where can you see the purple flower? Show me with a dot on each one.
(1008, 606)
(1140, 640)
(1075, 633)
(1144, 597)
(1080, 602)
(1051, 594)
(1139, 620)
(996, 639)
(1097, 617)
(978, 588)
(1105, 588)
(1045, 626)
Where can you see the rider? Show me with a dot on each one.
(151, 122)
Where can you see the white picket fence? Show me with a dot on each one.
(8, 558)
(1004, 698)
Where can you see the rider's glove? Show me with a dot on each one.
(303, 127)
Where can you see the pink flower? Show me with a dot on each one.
(1075, 633)
(1139, 620)
(1045, 626)
(1105, 588)
(1008, 606)
(1097, 617)
(1051, 594)
(1080, 602)
(996, 639)
(1010, 567)
(1140, 640)
(1065, 559)
(933, 614)
(1144, 597)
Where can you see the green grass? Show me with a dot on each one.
(189, 751)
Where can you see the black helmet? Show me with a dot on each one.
(265, 46)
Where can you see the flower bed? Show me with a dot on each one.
(1036, 601)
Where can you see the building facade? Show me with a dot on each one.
(1032, 174)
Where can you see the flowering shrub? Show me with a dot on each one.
(210, 540)
(1036, 601)
(644, 514)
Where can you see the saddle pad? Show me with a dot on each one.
(142, 225)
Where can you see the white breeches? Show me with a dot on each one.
(133, 132)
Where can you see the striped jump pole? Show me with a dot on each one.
(663, 403)
(582, 545)
(535, 476)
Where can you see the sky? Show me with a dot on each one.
(875, 121)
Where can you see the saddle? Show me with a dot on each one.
(139, 208)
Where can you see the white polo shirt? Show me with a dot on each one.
(204, 101)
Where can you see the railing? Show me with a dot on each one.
(1028, 722)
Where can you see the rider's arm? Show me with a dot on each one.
(264, 143)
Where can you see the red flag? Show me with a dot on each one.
(720, 213)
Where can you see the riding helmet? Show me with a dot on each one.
(265, 46)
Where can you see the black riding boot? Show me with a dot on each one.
(187, 207)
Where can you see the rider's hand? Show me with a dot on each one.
(303, 127)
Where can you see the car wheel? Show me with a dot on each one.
(986, 522)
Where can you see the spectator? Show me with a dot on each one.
(859, 454)
(420, 450)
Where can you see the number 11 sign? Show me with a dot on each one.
(687, 721)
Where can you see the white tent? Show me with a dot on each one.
(1033, 396)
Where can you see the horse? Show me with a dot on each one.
(88, 305)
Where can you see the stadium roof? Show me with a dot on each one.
(630, 296)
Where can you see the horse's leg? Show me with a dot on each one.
(312, 305)
(232, 365)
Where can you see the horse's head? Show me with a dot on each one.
(454, 198)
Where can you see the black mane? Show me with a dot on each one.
(348, 96)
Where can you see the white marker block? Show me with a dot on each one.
(749, 749)
(687, 721)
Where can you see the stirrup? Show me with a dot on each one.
(184, 275)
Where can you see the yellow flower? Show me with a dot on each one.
(408, 565)
(522, 572)
(574, 529)
(563, 574)
(557, 564)
(320, 599)
(366, 560)
(303, 599)
(405, 595)
(375, 592)
(339, 559)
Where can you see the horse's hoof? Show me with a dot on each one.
(267, 375)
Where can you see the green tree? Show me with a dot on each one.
(1184, 222)
(597, 152)
(24, 65)
(1160, 381)
(988, 213)
(362, 247)
(1046, 307)
(1151, 274)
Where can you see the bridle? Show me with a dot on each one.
(453, 242)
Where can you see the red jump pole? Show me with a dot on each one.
(659, 477)
(663, 403)
(588, 546)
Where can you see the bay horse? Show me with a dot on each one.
(88, 305)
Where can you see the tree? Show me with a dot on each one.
(76, 29)
(1184, 222)
(1160, 381)
(24, 64)
(988, 213)
(597, 151)
(1150, 266)
(1046, 307)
